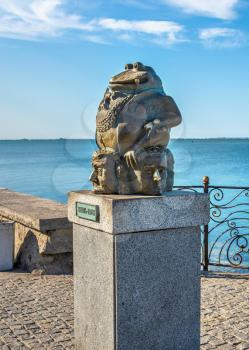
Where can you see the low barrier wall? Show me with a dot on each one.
(43, 234)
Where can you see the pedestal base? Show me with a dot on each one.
(138, 290)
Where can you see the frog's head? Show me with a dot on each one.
(135, 79)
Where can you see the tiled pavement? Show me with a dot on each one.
(225, 312)
(36, 312)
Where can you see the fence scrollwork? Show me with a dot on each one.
(225, 241)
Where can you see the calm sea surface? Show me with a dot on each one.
(51, 168)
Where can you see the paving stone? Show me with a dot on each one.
(36, 312)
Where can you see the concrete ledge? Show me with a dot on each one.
(124, 214)
(34, 212)
(43, 234)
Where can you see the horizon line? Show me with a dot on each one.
(85, 139)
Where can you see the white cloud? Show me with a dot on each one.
(33, 19)
(126, 37)
(44, 9)
(152, 31)
(96, 39)
(36, 19)
(147, 27)
(222, 37)
(223, 9)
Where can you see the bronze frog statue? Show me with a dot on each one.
(133, 126)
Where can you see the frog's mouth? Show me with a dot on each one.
(130, 78)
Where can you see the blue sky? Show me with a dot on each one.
(56, 57)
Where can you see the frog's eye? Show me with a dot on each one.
(138, 66)
(128, 66)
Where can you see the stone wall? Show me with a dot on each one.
(43, 234)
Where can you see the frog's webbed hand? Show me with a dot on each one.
(130, 159)
(133, 157)
(152, 126)
(156, 132)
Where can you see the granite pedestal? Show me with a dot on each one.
(137, 271)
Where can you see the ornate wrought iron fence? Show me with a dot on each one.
(225, 241)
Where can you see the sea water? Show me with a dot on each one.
(52, 168)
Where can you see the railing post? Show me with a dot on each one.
(205, 241)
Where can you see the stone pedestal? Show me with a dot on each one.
(137, 270)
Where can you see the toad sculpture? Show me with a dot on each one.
(133, 126)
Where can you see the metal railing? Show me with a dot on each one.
(225, 240)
